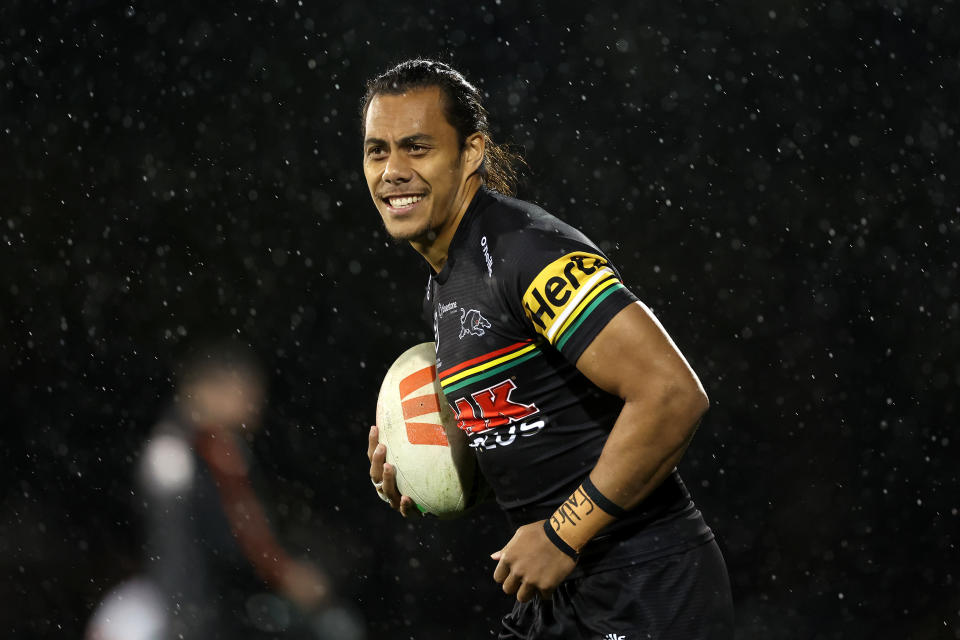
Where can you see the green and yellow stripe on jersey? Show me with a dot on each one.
(566, 292)
(489, 364)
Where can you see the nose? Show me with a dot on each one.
(397, 170)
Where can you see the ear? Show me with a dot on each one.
(474, 147)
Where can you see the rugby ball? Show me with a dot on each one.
(434, 464)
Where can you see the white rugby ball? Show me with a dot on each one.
(434, 465)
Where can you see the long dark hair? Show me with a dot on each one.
(464, 111)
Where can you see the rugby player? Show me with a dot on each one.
(575, 399)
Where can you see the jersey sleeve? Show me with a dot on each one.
(566, 292)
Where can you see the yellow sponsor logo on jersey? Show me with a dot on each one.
(560, 292)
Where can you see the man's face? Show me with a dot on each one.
(412, 163)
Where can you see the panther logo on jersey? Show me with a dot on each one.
(472, 323)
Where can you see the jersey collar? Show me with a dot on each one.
(460, 236)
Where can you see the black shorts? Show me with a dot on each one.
(685, 596)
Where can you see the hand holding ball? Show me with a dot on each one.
(434, 465)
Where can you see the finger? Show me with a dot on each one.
(373, 439)
(377, 462)
(547, 594)
(390, 484)
(496, 555)
(501, 572)
(408, 507)
(526, 592)
(511, 584)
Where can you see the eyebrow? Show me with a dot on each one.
(405, 141)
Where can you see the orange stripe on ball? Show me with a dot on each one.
(420, 406)
(425, 433)
(416, 380)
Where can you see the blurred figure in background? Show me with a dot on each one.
(213, 561)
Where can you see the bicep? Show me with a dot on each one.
(634, 357)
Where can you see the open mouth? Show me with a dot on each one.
(403, 202)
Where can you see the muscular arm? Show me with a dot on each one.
(634, 358)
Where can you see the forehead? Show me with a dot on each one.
(395, 116)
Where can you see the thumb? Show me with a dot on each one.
(496, 555)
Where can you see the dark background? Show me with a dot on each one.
(777, 180)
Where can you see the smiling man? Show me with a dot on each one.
(421, 176)
(576, 401)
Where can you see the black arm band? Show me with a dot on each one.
(555, 538)
(601, 500)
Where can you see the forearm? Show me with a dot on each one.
(644, 447)
(646, 443)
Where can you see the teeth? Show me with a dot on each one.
(405, 201)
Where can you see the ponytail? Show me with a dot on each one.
(501, 167)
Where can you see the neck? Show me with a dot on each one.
(436, 246)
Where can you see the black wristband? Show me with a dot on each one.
(555, 538)
(601, 500)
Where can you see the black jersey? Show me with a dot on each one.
(519, 299)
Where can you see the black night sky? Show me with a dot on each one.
(776, 180)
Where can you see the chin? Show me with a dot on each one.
(409, 232)
(412, 235)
